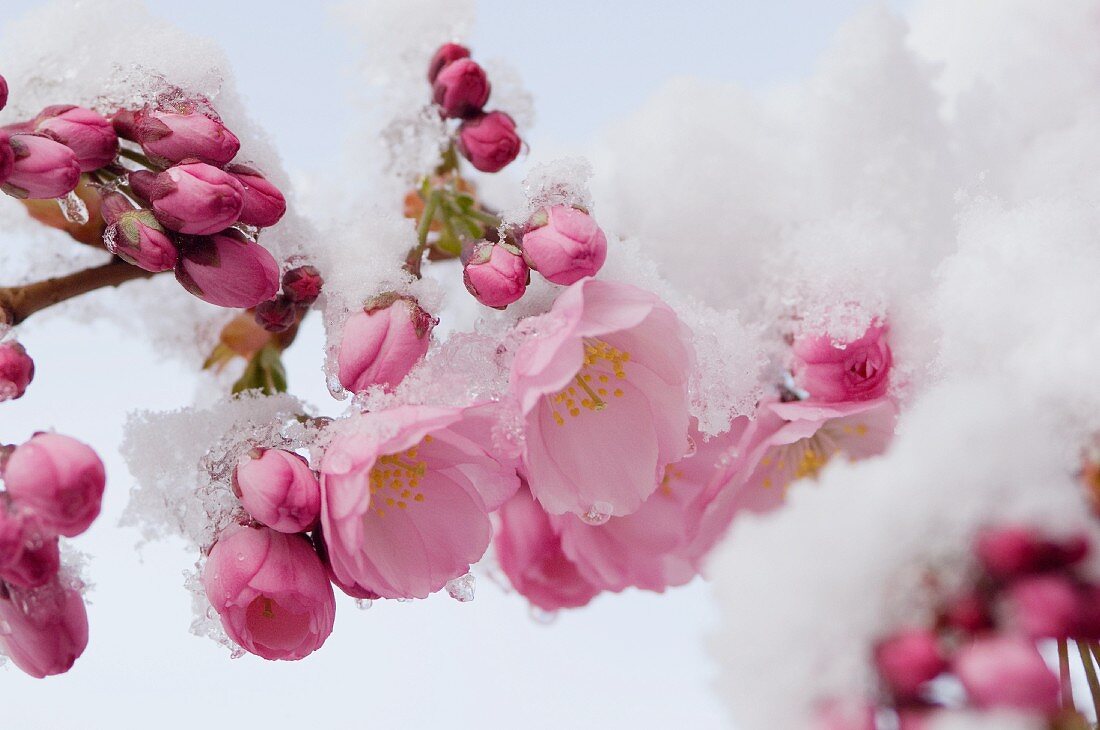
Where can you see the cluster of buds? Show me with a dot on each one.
(53, 487)
(301, 287)
(266, 580)
(460, 90)
(16, 370)
(1029, 589)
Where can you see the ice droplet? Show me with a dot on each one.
(598, 514)
(335, 388)
(363, 603)
(73, 208)
(462, 589)
(541, 616)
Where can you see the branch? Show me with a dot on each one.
(19, 302)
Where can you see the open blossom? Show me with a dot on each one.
(489, 141)
(59, 479)
(264, 204)
(495, 274)
(603, 394)
(663, 543)
(278, 488)
(461, 88)
(857, 370)
(564, 244)
(46, 627)
(382, 343)
(271, 592)
(405, 499)
(89, 135)
(135, 235)
(170, 136)
(227, 269)
(192, 197)
(41, 168)
(16, 370)
(530, 553)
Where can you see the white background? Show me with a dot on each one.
(633, 660)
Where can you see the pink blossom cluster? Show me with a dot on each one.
(1028, 589)
(53, 486)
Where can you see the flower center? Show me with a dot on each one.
(807, 457)
(592, 386)
(395, 479)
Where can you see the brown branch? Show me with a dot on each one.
(19, 302)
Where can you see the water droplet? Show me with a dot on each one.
(692, 447)
(363, 603)
(462, 589)
(541, 616)
(598, 514)
(73, 209)
(332, 380)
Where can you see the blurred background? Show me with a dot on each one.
(630, 660)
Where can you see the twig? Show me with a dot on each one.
(17, 303)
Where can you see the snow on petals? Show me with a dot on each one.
(604, 396)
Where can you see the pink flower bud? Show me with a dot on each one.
(264, 205)
(136, 236)
(1007, 672)
(564, 244)
(37, 564)
(227, 270)
(276, 315)
(89, 135)
(1044, 607)
(857, 370)
(7, 157)
(382, 343)
(496, 274)
(11, 537)
(16, 370)
(279, 489)
(907, 660)
(41, 168)
(46, 628)
(59, 479)
(461, 89)
(446, 54)
(969, 613)
(171, 137)
(4, 92)
(193, 197)
(302, 285)
(271, 592)
(489, 141)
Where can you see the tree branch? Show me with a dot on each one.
(19, 302)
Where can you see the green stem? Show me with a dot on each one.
(486, 218)
(138, 158)
(416, 255)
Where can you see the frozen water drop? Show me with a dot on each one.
(335, 388)
(462, 589)
(363, 603)
(598, 514)
(73, 208)
(542, 616)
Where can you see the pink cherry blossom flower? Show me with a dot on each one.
(461, 88)
(278, 488)
(495, 274)
(59, 479)
(271, 592)
(227, 270)
(1007, 672)
(192, 197)
(16, 370)
(857, 370)
(87, 134)
(489, 141)
(382, 343)
(602, 390)
(564, 244)
(264, 204)
(43, 630)
(171, 136)
(41, 168)
(405, 499)
(530, 553)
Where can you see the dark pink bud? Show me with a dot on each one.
(7, 157)
(302, 285)
(264, 205)
(41, 169)
(461, 89)
(271, 592)
(11, 537)
(1007, 672)
(3, 93)
(59, 479)
(1088, 616)
(193, 198)
(564, 244)
(227, 270)
(907, 660)
(1044, 607)
(969, 613)
(1012, 551)
(136, 236)
(47, 628)
(89, 135)
(489, 141)
(276, 315)
(382, 343)
(37, 564)
(16, 370)
(496, 274)
(447, 53)
(278, 489)
(171, 137)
